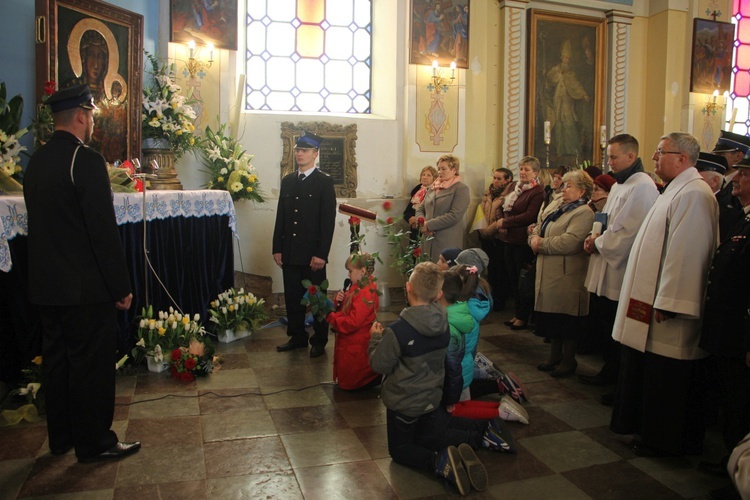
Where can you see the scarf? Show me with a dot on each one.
(495, 192)
(438, 184)
(626, 174)
(558, 213)
(520, 188)
(418, 197)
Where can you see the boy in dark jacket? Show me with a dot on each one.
(411, 353)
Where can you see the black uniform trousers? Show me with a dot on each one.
(78, 363)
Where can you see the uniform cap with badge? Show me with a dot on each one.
(308, 140)
(78, 96)
(729, 142)
(711, 162)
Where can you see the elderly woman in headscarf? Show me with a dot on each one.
(520, 209)
(444, 208)
(561, 299)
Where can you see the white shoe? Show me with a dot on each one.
(513, 412)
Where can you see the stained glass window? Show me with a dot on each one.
(740, 93)
(308, 55)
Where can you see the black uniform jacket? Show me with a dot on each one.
(725, 318)
(305, 218)
(75, 251)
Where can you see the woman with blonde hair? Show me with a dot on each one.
(561, 299)
(444, 208)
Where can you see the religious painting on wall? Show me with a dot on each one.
(336, 156)
(204, 21)
(92, 42)
(711, 63)
(567, 61)
(439, 32)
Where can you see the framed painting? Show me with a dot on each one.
(439, 32)
(93, 42)
(567, 62)
(205, 22)
(711, 61)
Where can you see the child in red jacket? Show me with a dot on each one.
(356, 309)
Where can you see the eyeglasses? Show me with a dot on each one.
(661, 153)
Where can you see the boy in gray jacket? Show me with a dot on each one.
(411, 354)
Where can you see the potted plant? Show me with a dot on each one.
(236, 314)
(157, 336)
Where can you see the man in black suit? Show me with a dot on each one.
(79, 278)
(302, 238)
(726, 332)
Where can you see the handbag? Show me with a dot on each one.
(527, 281)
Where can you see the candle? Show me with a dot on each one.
(715, 94)
(547, 133)
(434, 68)
(210, 52)
(453, 70)
(603, 136)
(191, 48)
(731, 122)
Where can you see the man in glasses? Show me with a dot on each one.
(302, 238)
(79, 279)
(659, 311)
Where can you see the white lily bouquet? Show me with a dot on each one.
(229, 166)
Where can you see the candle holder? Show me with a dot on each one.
(440, 83)
(194, 65)
(603, 147)
(546, 145)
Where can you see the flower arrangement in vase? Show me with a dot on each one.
(195, 360)
(10, 148)
(157, 336)
(229, 166)
(236, 314)
(166, 113)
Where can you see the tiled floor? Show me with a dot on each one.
(272, 425)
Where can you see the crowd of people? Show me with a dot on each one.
(648, 271)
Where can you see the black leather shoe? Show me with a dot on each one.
(510, 322)
(717, 469)
(644, 450)
(291, 345)
(595, 380)
(607, 399)
(119, 450)
(317, 351)
(56, 452)
(547, 367)
(515, 328)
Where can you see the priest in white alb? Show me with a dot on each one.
(659, 311)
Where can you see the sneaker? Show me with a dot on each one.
(497, 437)
(509, 384)
(474, 467)
(486, 366)
(450, 467)
(513, 412)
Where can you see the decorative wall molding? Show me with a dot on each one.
(513, 82)
(618, 34)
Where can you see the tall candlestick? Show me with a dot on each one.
(603, 136)
(547, 132)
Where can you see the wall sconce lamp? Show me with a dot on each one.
(712, 106)
(439, 83)
(193, 64)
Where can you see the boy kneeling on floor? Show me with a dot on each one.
(411, 353)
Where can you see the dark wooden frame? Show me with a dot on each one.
(703, 66)
(180, 11)
(548, 31)
(54, 20)
(418, 45)
(337, 155)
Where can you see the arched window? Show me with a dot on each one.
(308, 55)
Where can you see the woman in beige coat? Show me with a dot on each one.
(562, 302)
(444, 209)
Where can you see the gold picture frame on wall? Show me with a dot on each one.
(337, 154)
(566, 87)
(88, 41)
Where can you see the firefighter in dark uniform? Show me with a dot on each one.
(79, 278)
(713, 168)
(733, 147)
(725, 332)
(302, 238)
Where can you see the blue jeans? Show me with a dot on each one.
(414, 441)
